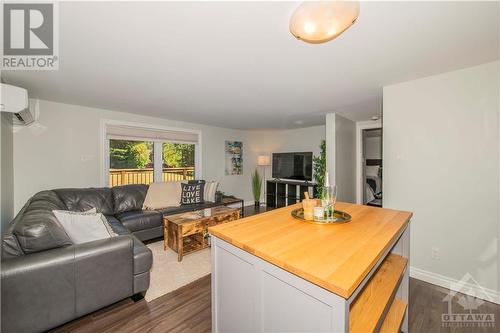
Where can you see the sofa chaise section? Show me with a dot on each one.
(45, 289)
(47, 280)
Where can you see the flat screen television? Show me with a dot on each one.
(297, 166)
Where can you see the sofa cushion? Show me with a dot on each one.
(83, 199)
(45, 200)
(143, 257)
(117, 226)
(129, 197)
(39, 230)
(10, 246)
(140, 219)
(149, 234)
(163, 194)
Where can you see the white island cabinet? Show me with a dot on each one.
(273, 273)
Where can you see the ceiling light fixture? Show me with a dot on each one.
(321, 21)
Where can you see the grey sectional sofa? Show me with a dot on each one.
(46, 280)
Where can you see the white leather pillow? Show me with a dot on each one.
(83, 227)
(372, 170)
(162, 195)
(210, 189)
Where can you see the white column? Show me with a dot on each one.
(158, 161)
(330, 147)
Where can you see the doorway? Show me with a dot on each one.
(371, 166)
(369, 135)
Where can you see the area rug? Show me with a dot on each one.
(167, 274)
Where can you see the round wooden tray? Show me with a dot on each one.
(338, 217)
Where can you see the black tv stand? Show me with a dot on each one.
(281, 193)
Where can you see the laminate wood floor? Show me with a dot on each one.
(188, 310)
(427, 307)
(184, 310)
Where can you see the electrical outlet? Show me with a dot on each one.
(436, 255)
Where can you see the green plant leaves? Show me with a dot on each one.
(256, 185)
(319, 169)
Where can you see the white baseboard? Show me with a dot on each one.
(449, 283)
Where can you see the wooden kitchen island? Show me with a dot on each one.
(274, 273)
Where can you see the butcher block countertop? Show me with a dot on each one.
(335, 257)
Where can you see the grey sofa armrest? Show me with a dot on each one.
(46, 289)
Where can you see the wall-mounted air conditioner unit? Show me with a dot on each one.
(15, 100)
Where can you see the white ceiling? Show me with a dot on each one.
(235, 64)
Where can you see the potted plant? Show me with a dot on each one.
(256, 187)
(319, 167)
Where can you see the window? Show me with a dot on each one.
(137, 155)
(131, 162)
(178, 161)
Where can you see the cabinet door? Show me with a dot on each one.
(280, 300)
(292, 194)
(271, 201)
(271, 194)
(252, 295)
(235, 293)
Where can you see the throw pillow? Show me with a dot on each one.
(162, 195)
(40, 230)
(83, 227)
(192, 193)
(210, 189)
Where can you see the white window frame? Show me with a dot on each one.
(157, 148)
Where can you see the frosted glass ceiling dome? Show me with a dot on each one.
(321, 21)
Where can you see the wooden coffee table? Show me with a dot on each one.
(185, 232)
(230, 200)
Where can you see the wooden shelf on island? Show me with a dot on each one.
(394, 318)
(372, 302)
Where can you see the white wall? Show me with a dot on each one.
(63, 149)
(341, 155)
(345, 158)
(441, 161)
(330, 146)
(6, 170)
(266, 142)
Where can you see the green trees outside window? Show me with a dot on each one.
(178, 155)
(124, 154)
